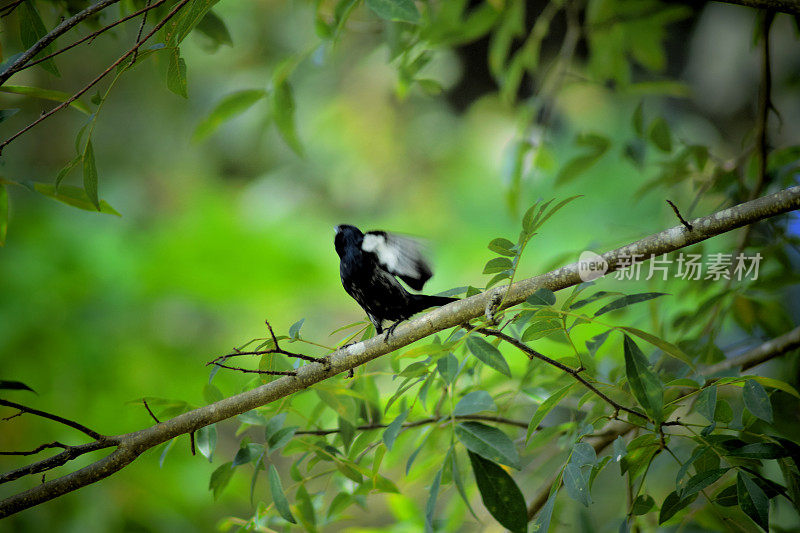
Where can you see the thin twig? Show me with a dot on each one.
(253, 371)
(103, 74)
(417, 423)
(139, 36)
(680, 217)
(95, 34)
(8, 9)
(71, 423)
(51, 36)
(59, 459)
(38, 449)
(764, 105)
(144, 401)
(575, 373)
(275, 349)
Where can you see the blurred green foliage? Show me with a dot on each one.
(231, 159)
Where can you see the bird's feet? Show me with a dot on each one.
(390, 331)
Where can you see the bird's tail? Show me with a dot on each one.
(424, 301)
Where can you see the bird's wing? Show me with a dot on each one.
(400, 256)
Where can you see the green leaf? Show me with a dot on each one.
(488, 354)
(723, 412)
(31, 29)
(305, 506)
(752, 500)
(6, 113)
(488, 442)
(3, 218)
(760, 450)
(544, 409)
(459, 483)
(273, 425)
(188, 18)
(581, 163)
(213, 27)
(448, 367)
(502, 246)
(206, 441)
(232, 105)
(474, 402)
(14, 385)
(667, 347)
(74, 196)
(247, 452)
(500, 494)
(283, 112)
(541, 328)
(644, 383)
(707, 402)
(702, 480)
(278, 496)
(542, 296)
(642, 505)
(638, 120)
(672, 504)
(430, 506)
(89, 175)
(397, 10)
(294, 329)
(498, 264)
(176, 73)
(628, 300)
(660, 135)
(281, 437)
(341, 502)
(542, 522)
(46, 94)
(220, 479)
(576, 484)
(393, 430)
(583, 454)
(776, 384)
(727, 497)
(756, 400)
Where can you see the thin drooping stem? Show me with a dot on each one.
(60, 419)
(575, 373)
(424, 421)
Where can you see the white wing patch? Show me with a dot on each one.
(399, 255)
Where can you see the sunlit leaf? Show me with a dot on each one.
(206, 441)
(73, 196)
(544, 409)
(46, 94)
(628, 300)
(397, 10)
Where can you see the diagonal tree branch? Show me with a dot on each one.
(784, 6)
(131, 445)
(52, 35)
(760, 354)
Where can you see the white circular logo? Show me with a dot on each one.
(591, 266)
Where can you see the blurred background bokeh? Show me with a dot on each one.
(220, 234)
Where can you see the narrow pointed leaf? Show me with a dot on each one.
(488, 354)
(628, 300)
(474, 402)
(278, 496)
(753, 500)
(90, 175)
(488, 442)
(644, 383)
(757, 401)
(544, 409)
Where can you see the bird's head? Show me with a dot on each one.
(346, 235)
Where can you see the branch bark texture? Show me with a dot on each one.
(131, 445)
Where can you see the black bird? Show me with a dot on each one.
(368, 264)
